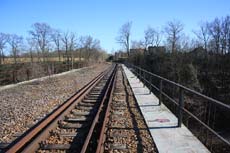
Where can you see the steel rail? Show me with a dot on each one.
(101, 139)
(40, 130)
(110, 85)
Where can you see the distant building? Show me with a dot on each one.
(137, 51)
(198, 52)
(156, 49)
(120, 55)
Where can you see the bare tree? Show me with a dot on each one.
(72, 46)
(15, 41)
(3, 41)
(89, 45)
(152, 37)
(95, 49)
(56, 37)
(203, 34)
(227, 20)
(41, 34)
(137, 44)
(173, 29)
(69, 42)
(225, 33)
(124, 36)
(81, 46)
(185, 43)
(32, 46)
(215, 32)
(65, 41)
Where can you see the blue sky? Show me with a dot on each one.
(103, 18)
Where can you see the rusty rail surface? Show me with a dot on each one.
(28, 142)
(101, 140)
(107, 92)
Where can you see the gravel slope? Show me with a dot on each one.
(23, 105)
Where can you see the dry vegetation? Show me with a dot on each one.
(10, 60)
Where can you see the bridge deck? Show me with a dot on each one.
(162, 123)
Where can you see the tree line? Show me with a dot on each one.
(45, 51)
(44, 41)
(213, 36)
(200, 62)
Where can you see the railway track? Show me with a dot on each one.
(69, 127)
(124, 129)
(102, 117)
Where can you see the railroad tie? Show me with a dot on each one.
(70, 134)
(55, 146)
(88, 100)
(115, 146)
(119, 100)
(84, 108)
(118, 108)
(78, 113)
(119, 105)
(86, 104)
(80, 119)
(118, 135)
(3, 146)
(72, 126)
(116, 126)
(117, 113)
(95, 93)
(119, 93)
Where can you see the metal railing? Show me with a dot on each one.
(211, 137)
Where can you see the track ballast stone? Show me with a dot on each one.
(24, 105)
